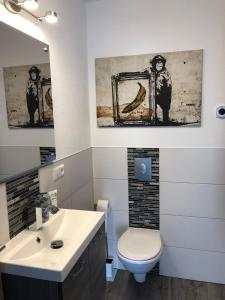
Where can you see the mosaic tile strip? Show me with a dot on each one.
(20, 192)
(144, 196)
(47, 154)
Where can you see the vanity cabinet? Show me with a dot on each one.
(77, 283)
(97, 266)
(86, 281)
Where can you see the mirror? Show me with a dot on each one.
(26, 104)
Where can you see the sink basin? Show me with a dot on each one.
(29, 243)
(29, 253)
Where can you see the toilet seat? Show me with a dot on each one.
(140, 244)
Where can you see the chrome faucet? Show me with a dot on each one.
(43, 206)
(38, 220)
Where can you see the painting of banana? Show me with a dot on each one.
(156, 89)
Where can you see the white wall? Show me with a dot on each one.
(15, 160)
(127, 27)
(67, 40)
(68, 56)
(17, 49)
(22, 24)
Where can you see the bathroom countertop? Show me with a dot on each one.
(29, 253)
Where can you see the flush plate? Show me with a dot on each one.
(143, 169)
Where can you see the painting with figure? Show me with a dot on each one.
(28, 96)
(161, 89)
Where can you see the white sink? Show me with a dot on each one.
(29, 253)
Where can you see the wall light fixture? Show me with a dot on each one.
(16, 6)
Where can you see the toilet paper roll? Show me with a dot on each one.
(103, 205)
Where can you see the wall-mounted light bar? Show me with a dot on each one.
(16, 6)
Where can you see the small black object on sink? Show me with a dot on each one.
(57, 244)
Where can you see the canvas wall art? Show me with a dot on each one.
(28, 96)
(161, 89)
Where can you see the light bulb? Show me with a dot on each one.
(30, 4)
(51, 17)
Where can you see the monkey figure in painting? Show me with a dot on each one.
(34, 94)
(163, 86)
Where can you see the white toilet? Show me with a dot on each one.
(139, 250)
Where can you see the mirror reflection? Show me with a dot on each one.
(26, 104)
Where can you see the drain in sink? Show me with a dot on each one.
(56, 244)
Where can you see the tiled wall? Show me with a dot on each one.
(192, 208)
(111, 182)
(143, 195)
(20, 193)
(192, 213)
(75, 189)
(47, 154)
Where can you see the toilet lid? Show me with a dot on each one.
(139, 243)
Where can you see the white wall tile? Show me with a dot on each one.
(4, 222)
(63, 184)
(83, 198)
(118, 223)
(193, 264)
(81, 166)
(192, 184)
(194, 233)
(116, 191)
(110, 163)
(78, 172)
(203, 200)
(193, 165)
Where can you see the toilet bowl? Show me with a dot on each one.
(139, 249)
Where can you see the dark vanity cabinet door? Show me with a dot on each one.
(97, 255)
(77, 283)
(24, 288)
(87, 279)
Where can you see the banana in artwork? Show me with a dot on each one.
(48, 99)
(137, 101)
